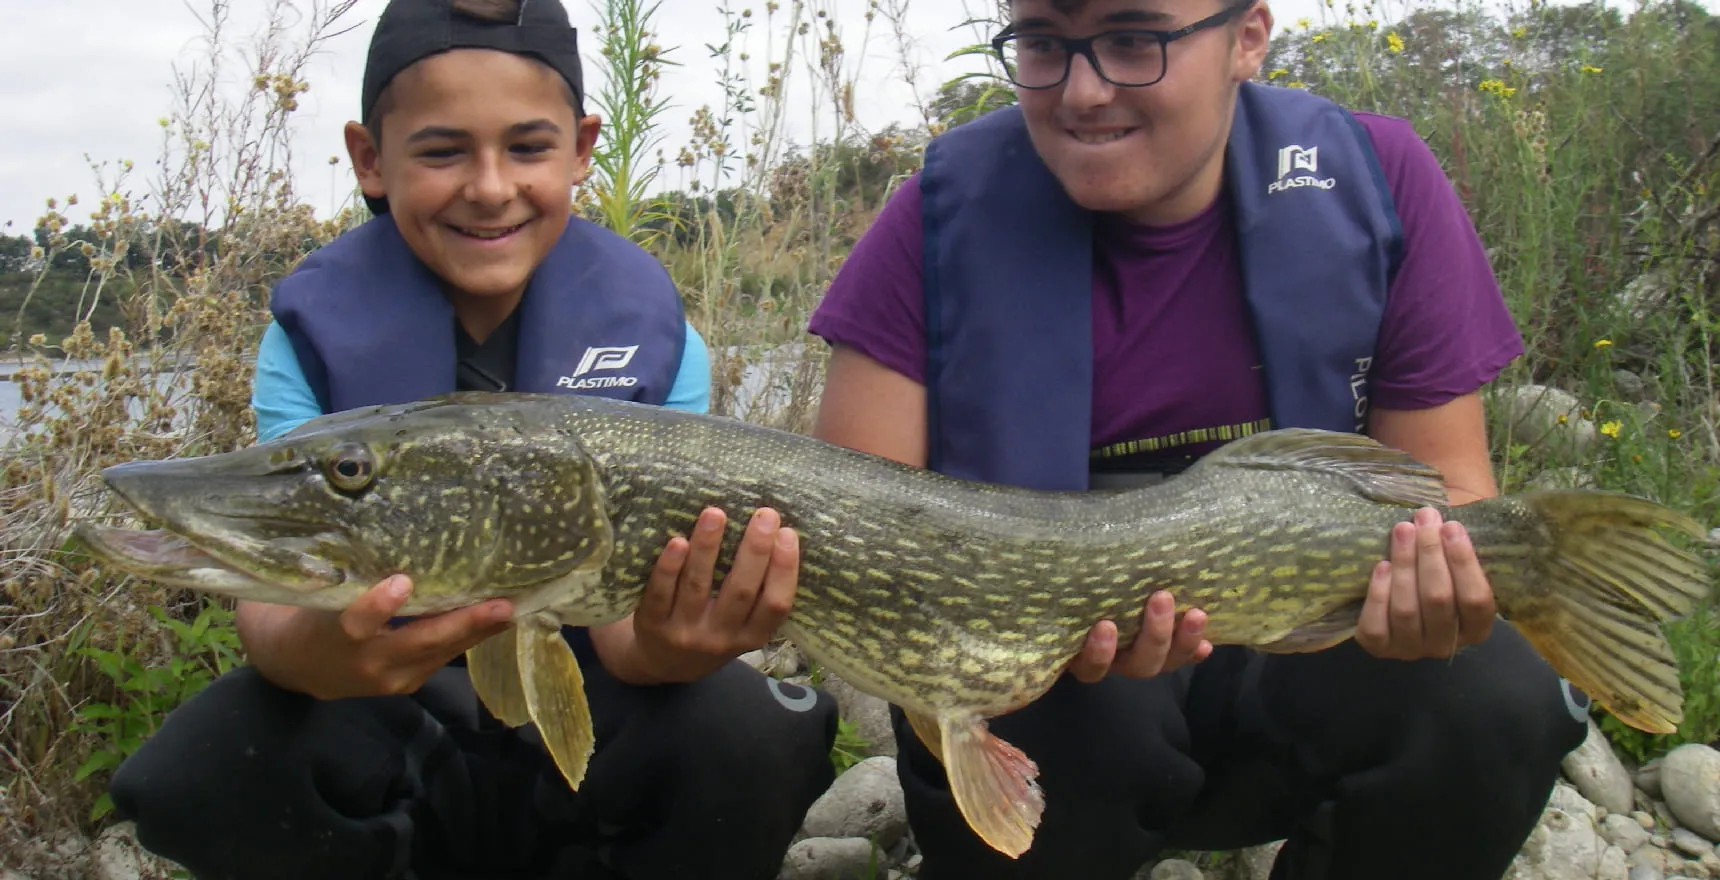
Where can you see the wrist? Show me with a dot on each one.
(617, 648)
(265, 633)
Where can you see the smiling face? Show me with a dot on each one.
(1154, 154)
(479, 153)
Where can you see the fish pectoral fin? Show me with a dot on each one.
(555, 697)
(1317, 634)
(926, 728)
(494, 667)
(1376, 471)
(993, 783)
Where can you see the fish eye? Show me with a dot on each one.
(351, 467)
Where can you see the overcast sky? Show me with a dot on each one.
(93, 76)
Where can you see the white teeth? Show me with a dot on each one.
(1100, 138)
(488, 233)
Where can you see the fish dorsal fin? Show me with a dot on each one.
(1376, 471)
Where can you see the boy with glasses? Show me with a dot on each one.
(1149, 256)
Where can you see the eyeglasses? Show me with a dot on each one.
(1125, 58)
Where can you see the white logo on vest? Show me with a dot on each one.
(601, 358)
(1294, 158)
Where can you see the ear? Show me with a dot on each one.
(1253, 40)
(366, 160)
(584, 143)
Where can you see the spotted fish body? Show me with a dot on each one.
(957, 601)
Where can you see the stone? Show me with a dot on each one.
(1175, 869)
(1690, 785)
(828, 858)
(1598, 774)
(1690, 843)
(866, 801)
(1624, 832)
(870, 716)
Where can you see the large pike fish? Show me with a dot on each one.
(957, 601)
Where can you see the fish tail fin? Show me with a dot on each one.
(555, 697)
(1592, 590)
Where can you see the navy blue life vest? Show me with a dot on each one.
(370, 324)
(1008, 267)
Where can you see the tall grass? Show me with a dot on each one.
(1583, 141)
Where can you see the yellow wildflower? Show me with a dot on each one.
(1319, 38)
(1603, 343)
(1611, 428)
(1296, 84)
(1674, 433)
(1496, 87)
(1394, 42)
(1280, 72)
(1304, 23)
(1589, 68)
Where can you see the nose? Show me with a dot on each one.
(1085, 88)
(490, 184)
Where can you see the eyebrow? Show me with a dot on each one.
(435, 132)
(1126, 16)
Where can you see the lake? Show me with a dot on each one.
(762, 382)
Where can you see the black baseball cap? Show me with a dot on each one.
(409, 31)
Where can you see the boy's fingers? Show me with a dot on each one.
(368, 615)
(781, 581)
(694, 595)
(658, 601)
(746, 578)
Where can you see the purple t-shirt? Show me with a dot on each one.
(1175, 363)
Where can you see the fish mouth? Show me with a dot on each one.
(211, 535)
(240, 568)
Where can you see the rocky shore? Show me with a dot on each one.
(1603, 821)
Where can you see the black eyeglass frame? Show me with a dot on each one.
(1083, 46)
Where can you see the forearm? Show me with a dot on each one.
(618, 650)
(1451, 438)
(264, 632)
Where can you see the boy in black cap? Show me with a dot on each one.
(353, 746)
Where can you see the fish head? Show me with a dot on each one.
(469, 501)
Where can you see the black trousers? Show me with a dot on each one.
(1368, 768)
(709, 780)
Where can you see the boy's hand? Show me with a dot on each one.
(1162, 645)
(680, 632)
(356, 653)
(1430, 598)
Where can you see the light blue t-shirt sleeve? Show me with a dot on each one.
(692, 388)
(280, 397)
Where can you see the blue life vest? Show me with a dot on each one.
(1008, 267)
(370, 324)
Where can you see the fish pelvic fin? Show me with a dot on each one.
(494, 667)
(1592, 600)
(555, 696)
(926, 728)
(1373, 470)
(993, 783)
